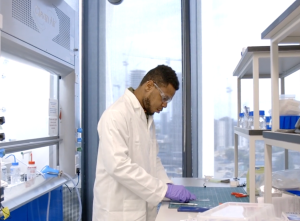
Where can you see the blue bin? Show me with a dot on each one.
(288, 122)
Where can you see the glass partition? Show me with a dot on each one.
(28, 100)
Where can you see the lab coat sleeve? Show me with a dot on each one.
(114, 135)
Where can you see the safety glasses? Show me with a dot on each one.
(165, 99)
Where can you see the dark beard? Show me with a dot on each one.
(147, 106)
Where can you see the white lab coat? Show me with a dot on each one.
(130, 179)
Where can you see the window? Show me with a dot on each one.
(229, 26)
(138, 42)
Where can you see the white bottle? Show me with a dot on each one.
(3, 172)
(15, 175)
(262, 120)
(31, 170)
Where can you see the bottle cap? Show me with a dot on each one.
(251, 113)
(31, 162)
(15, 164)
(262, 112)
(241, 114)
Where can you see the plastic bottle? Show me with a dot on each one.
(262, 121)
(250, 120)
(241, 120)
(3, 171)
(268, 122)
(15, 176)
(31, 169)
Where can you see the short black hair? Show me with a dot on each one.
(162, 75)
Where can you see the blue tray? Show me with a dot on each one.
(288, 122)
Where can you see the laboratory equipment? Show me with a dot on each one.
(239, 195)
(284, 203)
(3, 171)
(192, 209)
(49, 172)
(262, 121)
(31, 168)
(268, 122)
(288, 105)
(250, 120)
(241, 120)
(234, 183)
(239, 212)
(286, 179)
(15, 170)
(287, 216)
(187, 204)
(246, 117)
(288, 122)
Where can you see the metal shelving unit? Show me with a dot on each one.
(285, 29)
(255, 64)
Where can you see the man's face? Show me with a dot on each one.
(157, 98)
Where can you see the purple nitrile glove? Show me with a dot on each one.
(179, 193)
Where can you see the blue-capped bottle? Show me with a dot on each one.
(15, 171)
(250, 120)
(241, 120)
(268, 122)
(262, 121)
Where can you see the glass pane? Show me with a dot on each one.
(225, 32)
(138, 42)
(25, 91)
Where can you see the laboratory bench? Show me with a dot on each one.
(22, 193)
(166, 214)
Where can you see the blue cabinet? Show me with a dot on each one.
(36, 210)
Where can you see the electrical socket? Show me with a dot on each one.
(77, 168)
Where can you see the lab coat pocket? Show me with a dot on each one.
(134, 210)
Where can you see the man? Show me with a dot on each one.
(130, 179)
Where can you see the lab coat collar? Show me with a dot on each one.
(138, 107)
(133, 100)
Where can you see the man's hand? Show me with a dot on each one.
(179, 193)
